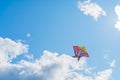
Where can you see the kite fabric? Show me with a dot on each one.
(80, 51)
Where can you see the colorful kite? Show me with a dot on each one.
(80, 51)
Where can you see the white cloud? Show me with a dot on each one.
(112, 64)
(50, 66)
(91, 9)
(117, 11)
(10, 49)
(104, 75)
(29, 56)
(28, 35)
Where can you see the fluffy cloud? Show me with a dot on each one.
(91, 9)
(117, 11)
(10, 49)
(50, 66)
(104, 75)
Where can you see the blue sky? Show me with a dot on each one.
(58, 25)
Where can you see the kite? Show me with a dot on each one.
(80, 51)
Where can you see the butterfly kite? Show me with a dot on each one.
(80, 51)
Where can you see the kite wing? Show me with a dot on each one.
(75, 50)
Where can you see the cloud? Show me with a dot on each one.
(112, 64)
(10, 49)
(91, 9)
(104, 75)
(28, 35)
(29, 56)
(117, 11)
(50, 66)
